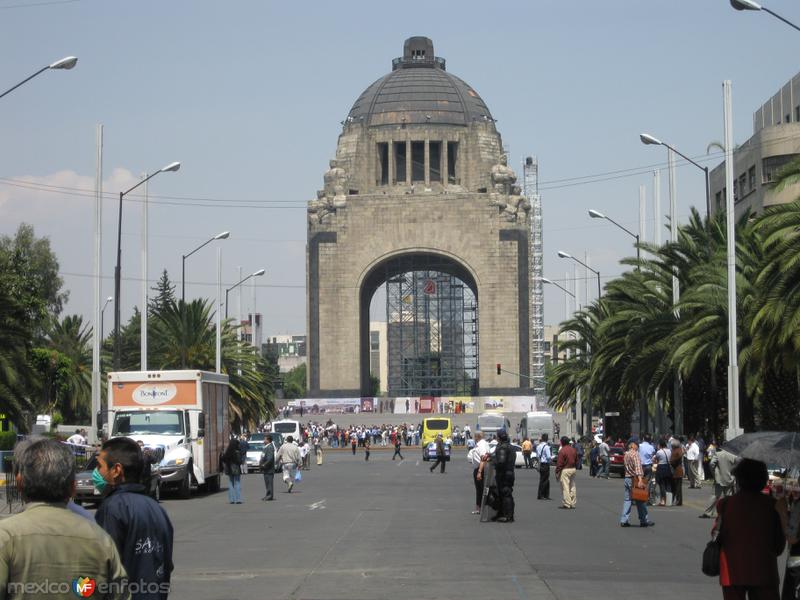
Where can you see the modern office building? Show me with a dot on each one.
(775, 143)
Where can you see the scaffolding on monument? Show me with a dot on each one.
(432, 332)
(530, 171)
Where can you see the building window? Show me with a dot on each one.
(435, 159)
(742, 183)
(788, 118)
(751, 177)
(374, 341)
(417, 161)
(718, 200)
(382, 175)
(735, 190)
(452, 161)
(796, 114)
(772, 165)
(400, 162)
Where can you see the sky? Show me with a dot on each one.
(249, 96)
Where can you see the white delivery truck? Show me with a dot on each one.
(489, 423)
(183, 414)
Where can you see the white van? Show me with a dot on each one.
(489, 423)
(287, 427)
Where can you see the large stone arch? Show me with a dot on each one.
(395, 263)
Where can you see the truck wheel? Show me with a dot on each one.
(185, 488)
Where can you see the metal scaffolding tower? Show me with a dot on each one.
(530, 171)
(432, 332)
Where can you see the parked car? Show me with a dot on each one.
(519, 460)
(87, 494)
(616, 461)
(254, 450)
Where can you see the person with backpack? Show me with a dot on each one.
(545, 458)
(505, 458)
(232, 464)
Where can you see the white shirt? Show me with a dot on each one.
(303, 450)
(693, 451)
(482, 448)
(77, 439)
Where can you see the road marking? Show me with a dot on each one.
(317, 505)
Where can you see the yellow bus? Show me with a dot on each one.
(431, 427)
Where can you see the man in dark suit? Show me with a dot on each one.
(267, 464)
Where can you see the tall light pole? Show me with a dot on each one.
(220, 236)
(65, 64)
(567, 294)
(258, 273)
(172, 167)
(598, 215)
(649, 140)
(750, 5)
(562, 254)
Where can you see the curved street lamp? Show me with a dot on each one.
(220, 236)
(65, 64)
(750, 5)
(649, 140)
(258, 273)
(595, 214)
(171, 167)
(562, 254)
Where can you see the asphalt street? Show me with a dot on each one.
(384, 529)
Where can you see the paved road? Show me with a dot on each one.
(388, 529)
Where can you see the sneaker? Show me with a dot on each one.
(625, 524)
(476, 512)
(291, 485)
(648, 524)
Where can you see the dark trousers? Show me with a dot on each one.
(397, 453)
(748, 592)
(439, 461)
(478, 488)
(354, 449)
(505, 488)
(677, 491)
(544, 481)
(528, 461)
(269, 474)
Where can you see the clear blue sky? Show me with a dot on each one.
(249, 95)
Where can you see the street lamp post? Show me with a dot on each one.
(220, 236)
(562, 254)
(65, 64)
(258, 273)
(750, 5)
(172, 167)
(649, 140)
(598, 215)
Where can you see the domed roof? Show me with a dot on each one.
(418, 91)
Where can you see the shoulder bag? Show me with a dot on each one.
(639, 494)
(711, 554)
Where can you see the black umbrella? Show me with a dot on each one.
(781, 448)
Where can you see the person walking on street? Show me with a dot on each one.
(692, 455)
(243, 448)
(267, 464)
(545, 458)
(138, 525)
(397, 445)
(289, 458)
(663, 472)
(232, 465)
(722, 464)
(751, 537)
(565, 472)
(527, 448)
(634, 476)
(440, 455)
(646, 453)
(578, 445)
(48, 539)
(504, 460)
(476, 455)
(602, 455)
(366, 448)
(676, 461)
(318, 450)
(353, 442)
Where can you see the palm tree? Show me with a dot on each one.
(16, 375)
(71, 337)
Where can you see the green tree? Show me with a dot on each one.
(72, 338)
(294, 383)
(163, 293)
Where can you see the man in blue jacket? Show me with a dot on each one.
(138, 525)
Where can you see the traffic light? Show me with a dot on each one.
(498, 368)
